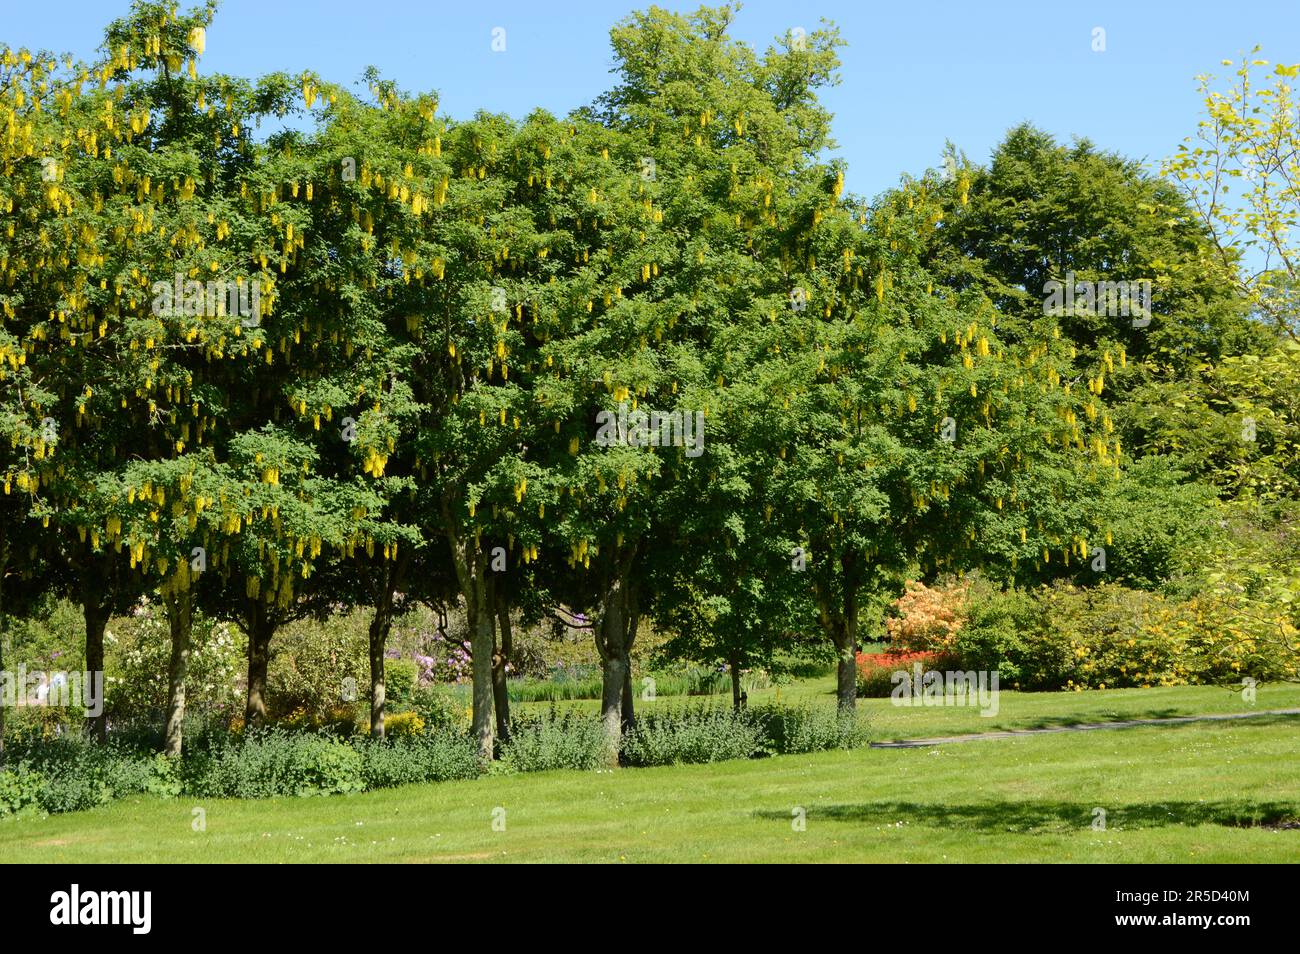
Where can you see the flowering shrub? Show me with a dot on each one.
(927, 619)
(137, 650)
(402, 724)
(876, 670)
(317, 666)
(1111, 636)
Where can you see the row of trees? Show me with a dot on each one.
(360, 361)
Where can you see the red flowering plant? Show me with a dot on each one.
(922, 627)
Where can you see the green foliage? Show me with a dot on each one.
(441, 709)
(1160, 526)
(312, 660)
(1000, 635)
(693, 735)
(399, 682)
(1111, 636)
(408, 760)
(75, 774)
(554, 740)
(799, 729)
(20, 789)
(273, 762)
(686, 680)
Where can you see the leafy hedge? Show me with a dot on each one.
(70, 774)
(1105, 636)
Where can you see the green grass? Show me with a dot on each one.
(1214, 792)
(1016, 710)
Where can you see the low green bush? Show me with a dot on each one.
(584, 682)
(441, 708)
(554, 740)
(20, 789)
(76, 774)
(399, 683)
(791, 730)
(269, 762)
(1004, 631)
(69, 773)
(408, 760)
(693, 735)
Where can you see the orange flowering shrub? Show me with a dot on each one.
(927, 619)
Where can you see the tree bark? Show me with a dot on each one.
(96, 580)
(260, 630)
(629, 707)
(844, 634)
(846, 689)
(614, 672)
(4, 629)
(629, 701)
(481, 643)
(617, 614)
(840, 623)
(734, 666)
(500, 689)
(180, 620)
(96, 617)
(380, 626)
(471, 571)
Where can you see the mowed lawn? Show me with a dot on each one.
(1015, 710)
(1210, 792)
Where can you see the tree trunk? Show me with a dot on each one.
(840, 623)
(617, 615)
(734, 666)
(260, 630)
(95, 606)
(629, 701)
(180, 620)
(471, 570)
(380, 626)
(96, 617)
(629, 708)
(481, 643)
(846, 690)
(845, 636)
(500, 690)
(4, 630)
(614, 674)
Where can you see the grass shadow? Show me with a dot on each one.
(1064, 722)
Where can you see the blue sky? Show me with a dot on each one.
(914, 74)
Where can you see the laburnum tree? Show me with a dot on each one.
(713, 135)
(464, 371)
(179, 239)
(905, 434)
(435, 259)
(348, 205)
(33, 225)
